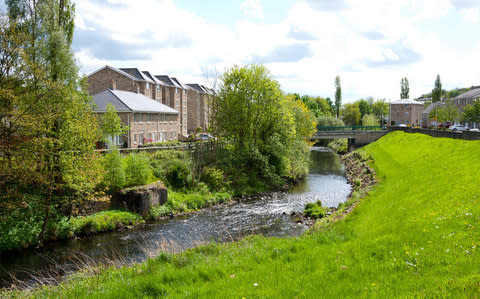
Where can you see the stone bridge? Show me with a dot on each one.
(357, 136)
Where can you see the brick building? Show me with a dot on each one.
(147, 120)
(198, 108)
(175, 95)
(406, 111)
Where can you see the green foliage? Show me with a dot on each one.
(448, 112)
(178, 175)
(405, 88)
(213, 177)
(471, 113)
(365, 107)
(100, 222)
(338, 95)
(351, 114)
(138, 169)
(268, 131)
(370, 120)
(437, 91)
(315, 210)
(111, 125)
(115, 175)
(329, 121)
(317, 105)
(339, 145)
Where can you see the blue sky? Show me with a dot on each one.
(370, 44)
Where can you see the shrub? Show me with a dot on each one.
(115, 177)
(213, 177)
(177, 175)
(138, 170)
(315, 210)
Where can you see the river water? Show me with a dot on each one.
(223, 223)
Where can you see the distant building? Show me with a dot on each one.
(406, 111)
(427, 121)
(198, 107)
(466, 98)
(147, 120)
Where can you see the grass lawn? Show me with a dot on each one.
(415, 235)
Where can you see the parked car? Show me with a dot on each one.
(474, 130)
(402, 125)
(204, 136)
(458, 128)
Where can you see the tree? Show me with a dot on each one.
(111, 125)
(329, 121)
(267, 131)
(52, 122)
(380, 109)
(448, 113)
(370, 120)
(364, 107)
(471, 113)
(437, 90)
(338, 95)
(351, 114)
(405, 89)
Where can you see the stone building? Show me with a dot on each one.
(147, 120)
(428, 121)
(407, 112)
(466, 98)
(198, 109)
(175, 95)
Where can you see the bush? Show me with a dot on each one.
(178, 175)
(138, 170)
(115, 177)
(213, 177)
(315, 210)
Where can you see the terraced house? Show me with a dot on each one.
(189, 100)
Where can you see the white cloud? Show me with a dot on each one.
(471, 15)
(252, 8)
(371, 44)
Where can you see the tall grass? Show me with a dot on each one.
(415, 235)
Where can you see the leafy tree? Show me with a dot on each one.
(380, 109)
(115, 176)
(448, 112)
(111, 125)
(52, 122)
(351, 114)
(471, 113)
(437, 90)
(329, 121)
(370, 120)
(364, 106)
(266, 130)
(338, 95)
(405, 89)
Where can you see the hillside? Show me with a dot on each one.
(415, 235)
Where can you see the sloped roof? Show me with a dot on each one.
(432, 106)
(115, 70)
(406, 102)
(137, 74)
(151, 77)
(169, 81)
(126, 101)
(196, 87)
(179, 83)
(471, 94)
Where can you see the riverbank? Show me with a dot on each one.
(414, 235)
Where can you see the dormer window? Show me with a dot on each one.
(148, 85)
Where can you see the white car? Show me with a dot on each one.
(458, 128)
(474, 130)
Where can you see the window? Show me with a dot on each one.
(135, 137)
(158, 87)
(171, 136)
(148, 85)
(184, 92)
(176, 90)
(141, 138)
(148, 118)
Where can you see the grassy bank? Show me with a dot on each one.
(415, 235)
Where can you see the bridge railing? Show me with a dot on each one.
(352, 128)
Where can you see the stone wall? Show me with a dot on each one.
(140, 199)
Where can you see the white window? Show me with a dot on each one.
(158, 87)
(176, 90)
(184, 92)
(148, 85)
(141, 138)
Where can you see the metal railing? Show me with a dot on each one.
(352, 128)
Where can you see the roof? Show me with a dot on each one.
(471, 94)
(151, 77)
(432, 106)
(172, 82)
(137, 74)
(406, 102)
(126, 101)
(196, 87)
(184, 86)
(115, 70)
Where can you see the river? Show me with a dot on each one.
(223, 223)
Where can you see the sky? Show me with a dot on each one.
(370, 44)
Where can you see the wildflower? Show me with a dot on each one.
(255, 284)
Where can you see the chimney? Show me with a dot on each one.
(114, 84)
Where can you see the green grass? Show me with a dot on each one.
(415, 235)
